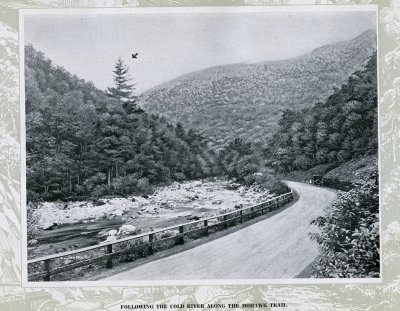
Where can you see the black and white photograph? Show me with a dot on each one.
(202, 144)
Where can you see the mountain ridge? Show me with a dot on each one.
(368, 32)
(252, 95)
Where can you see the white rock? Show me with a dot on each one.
(117, 213)
(112, 232)
(111, 238)
(48, 225)
(127, 230)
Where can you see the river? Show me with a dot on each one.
(75, 225)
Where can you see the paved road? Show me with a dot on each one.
(277, 247)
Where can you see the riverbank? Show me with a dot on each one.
(72, 225)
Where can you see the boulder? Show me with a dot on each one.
(197, 183)
(49, 225)
(112, 232)
(117, 213)
(241, 189)
(98, 202)
(111, 238)
(127, 230)
(193, 198)
(192, 217)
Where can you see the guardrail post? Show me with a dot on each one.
(47, 277)
(206, 226)
(252, 212)
(109, 263)
(241, 217)
(225, 221)
(182, 238)
(151, 239)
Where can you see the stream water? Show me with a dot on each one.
(169, 206)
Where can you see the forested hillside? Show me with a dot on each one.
(333, 132)
(338, 138)
(246, 100)
(82, 142)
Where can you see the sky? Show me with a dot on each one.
(172, 44)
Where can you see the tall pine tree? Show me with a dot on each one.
(123, 90)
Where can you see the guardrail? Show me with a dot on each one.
(133, 247)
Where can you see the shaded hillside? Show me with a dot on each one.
(246, 100)
(338, 139)
(344, 127)
(81, 142)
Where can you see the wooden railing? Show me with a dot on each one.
(130, 248)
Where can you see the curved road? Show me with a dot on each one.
(277, 247)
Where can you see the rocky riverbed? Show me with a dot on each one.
(73, 225)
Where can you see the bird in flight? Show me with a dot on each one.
(135, 55)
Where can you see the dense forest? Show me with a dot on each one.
(246, 100)
(85, 142)
(340, 138)
(333, 132)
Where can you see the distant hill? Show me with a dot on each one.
(246, 100)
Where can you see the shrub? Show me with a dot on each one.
(97, 179)
(249, 179)
(179, 176)
(33, 196)
(100, 190)
(143, 185)
(265, 180)
(349, 235)
(125, 185)
(279, 188)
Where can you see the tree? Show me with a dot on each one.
(331, 132)
(123, 90)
